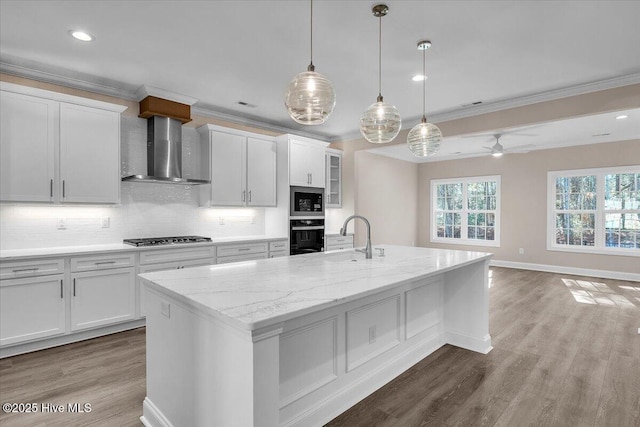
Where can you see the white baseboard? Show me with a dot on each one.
(14, 350)
(605, 274)
(470, 343)
(151, 415)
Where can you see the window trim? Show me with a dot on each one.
(599, 212)
(464, 225)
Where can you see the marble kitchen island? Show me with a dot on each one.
(298, 340)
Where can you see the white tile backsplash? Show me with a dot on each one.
(146, 209)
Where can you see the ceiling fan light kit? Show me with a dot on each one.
(381, 122)
(310, 97)
(424, 138)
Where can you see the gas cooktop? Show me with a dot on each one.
(158, 241)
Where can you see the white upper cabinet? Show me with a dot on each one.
(228, 169)
(58, 148)
(261, 172)
(28, 127)
(333, 188)
(89, 154)
(242, 168)
(306, 162)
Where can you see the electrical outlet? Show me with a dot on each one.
(105, 222)
(61, 224)
(521, 251)
(165, 308)
(221, 220)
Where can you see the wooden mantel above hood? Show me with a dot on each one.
(154, 106)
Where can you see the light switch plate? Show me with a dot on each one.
(105, 222)
(61, 224)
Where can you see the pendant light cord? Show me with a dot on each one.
(380, 60)
(311, 67)
(424, 83)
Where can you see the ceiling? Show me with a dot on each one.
(223, 52)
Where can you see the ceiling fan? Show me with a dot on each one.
(498, 149)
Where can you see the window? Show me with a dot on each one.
(595, 210)
(466, 211)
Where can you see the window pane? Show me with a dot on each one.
(562, 185)
(491, 233)
(491, 219)
(456, 232)
(480, 233)
(621, 230)
(471, 219)
(481, 219)
(491, 203)
(561, 236)
(440, 205)
(471, 233)
(471, 203)
(620, 191)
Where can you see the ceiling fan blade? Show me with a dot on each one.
(520, 149)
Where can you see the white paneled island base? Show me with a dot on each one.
(296, 341)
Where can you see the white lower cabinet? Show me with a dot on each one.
(241, 252)
(170, 259)
(32, 308)
(337, 242)
(278, 248)
(101, 298)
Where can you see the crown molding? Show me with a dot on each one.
(436, 117)
(207, 112)
(144, 91)
(70, 82)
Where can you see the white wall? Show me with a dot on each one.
(386, 194)
(147, 209)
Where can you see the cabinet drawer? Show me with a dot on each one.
(278, 246)
(339, 240)
(31, 268)
(337, 247)
(102, 262)
(244, 257)
(277, 254)
(241, 249)
(170, 255)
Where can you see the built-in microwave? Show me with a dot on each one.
(307, 201)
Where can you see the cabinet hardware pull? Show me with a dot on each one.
(19, 270)
(104, 262)
(244, 249)
(51, 188)
(74, 287)
(63, 190)
(310, 178)
(243, 191)
(61, 295)
(249, 195)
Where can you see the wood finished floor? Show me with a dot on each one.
(566, 353)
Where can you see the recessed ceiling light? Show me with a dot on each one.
(82, 35)
(622, 117)
(419, 77)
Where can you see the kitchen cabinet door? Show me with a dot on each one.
(27, 143)
(306, 164)
(89, 154)
(101, 298)
(261, 172)
(228, 185)
(333, 187)
(31, 308)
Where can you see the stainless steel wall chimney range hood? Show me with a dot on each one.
(164, 142)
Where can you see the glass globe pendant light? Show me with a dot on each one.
(381, 122)
(424, 138)
(310, 96)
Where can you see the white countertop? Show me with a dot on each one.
(10, 254)
(256, 294)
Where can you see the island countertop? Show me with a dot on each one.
(255, 294)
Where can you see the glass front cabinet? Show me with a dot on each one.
(333, 188)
